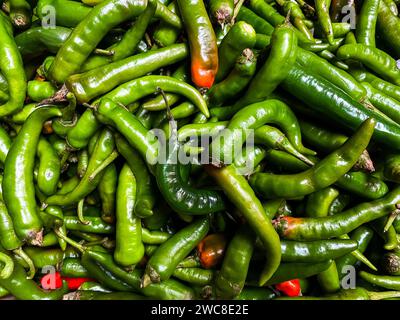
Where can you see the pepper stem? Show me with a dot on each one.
(21, 253)
(391, 219)
(236, 11)
(104, 52)
(110, 159)
(73, 243)
(80, 212)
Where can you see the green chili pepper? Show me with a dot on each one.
(145, 200)
(179, 195)
(231, 278)
(387, 24)
(107, 192)
(158, 103)
(94, 225)
(363, 236)
(314, 91)
(319, 203)
(18, 188)
(165, 34)
(129, 248)
(383, 102)
(11, 66)
(289, 271)
(36, 41)
(68, 13)
(241, 36)
(72, 267)
(253, 117)
(87, 125)
(334, 226)
(389, 236)
(131, 128)
(163, 262)
(316, 178)
(194, 276)
(83, 40)
(242, 196)
(335, 75)
(235, 82)
(49, 168)
(365, 31)
(96, 82)
(373, 58)
(275, 69)
(315, 251)
(129, 42)
(322, 10)
(387, 282)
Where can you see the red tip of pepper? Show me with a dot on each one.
(203, 78)
(289, 288)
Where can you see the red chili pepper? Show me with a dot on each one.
(54, 281)
(211, 250)
(290, 288)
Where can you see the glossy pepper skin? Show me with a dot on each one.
(240, 37)
(375, 59)
(131, 91)
(202, 41)
(163, 262)
(236, 81)
(11, 66)
(94, 83)
(253, 117)
(334, 226)
(131, 128)
(230, 279)
(325, 99)
(365, 31)
(129, 248)
(18, 185)
(179, 195)
(322, 175)
(280, 60)
(49, 170)
(83, 40)
(237, 189)
(387, 24)
(36, 41)
(315, 251)
(145, 199)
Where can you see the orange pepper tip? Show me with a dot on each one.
(203, 78)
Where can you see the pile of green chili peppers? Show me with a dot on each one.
(103, 101)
